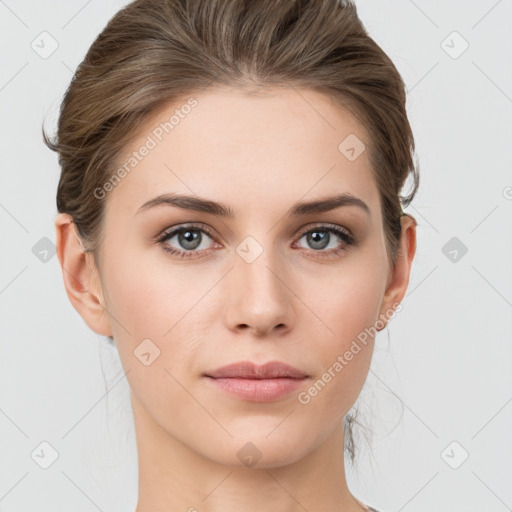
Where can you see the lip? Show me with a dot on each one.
(257, 383)
(249, 370)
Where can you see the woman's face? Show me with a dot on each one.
(270, 282)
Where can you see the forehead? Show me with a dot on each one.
(246, 150)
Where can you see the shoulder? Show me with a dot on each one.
(367, 508)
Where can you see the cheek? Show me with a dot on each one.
(149, 300)
(349, 302)
(168, 306)
(345, 354)
(348, 308)
(160, 323)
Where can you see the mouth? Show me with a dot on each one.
(248, 381)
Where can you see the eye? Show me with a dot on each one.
(321, 237)
(191, 239)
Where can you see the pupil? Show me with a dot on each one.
(190, 237)
(318, 242)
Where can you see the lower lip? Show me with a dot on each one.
(257, 390)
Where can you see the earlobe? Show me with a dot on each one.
(399, 278)
(80, 276)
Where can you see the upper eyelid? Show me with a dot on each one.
(180, 227)
(326, 226)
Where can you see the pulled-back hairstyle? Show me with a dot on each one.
(153, 52)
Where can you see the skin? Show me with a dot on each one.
(259, 154)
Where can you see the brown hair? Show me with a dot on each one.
(153, 52)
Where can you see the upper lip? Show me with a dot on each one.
(249, 370)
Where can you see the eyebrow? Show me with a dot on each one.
(199, 204)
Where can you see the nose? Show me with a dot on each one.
(260, 299)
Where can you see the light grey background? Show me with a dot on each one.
(442, 371)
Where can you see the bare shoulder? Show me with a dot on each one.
(367, 508)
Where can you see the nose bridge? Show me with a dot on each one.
(257, 266)
(260, 298)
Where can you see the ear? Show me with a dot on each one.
(399, 276)
(81, 277)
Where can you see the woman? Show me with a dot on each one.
(230, 217)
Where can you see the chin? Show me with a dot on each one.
(261, 448)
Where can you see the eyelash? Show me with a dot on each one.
(347, 238)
